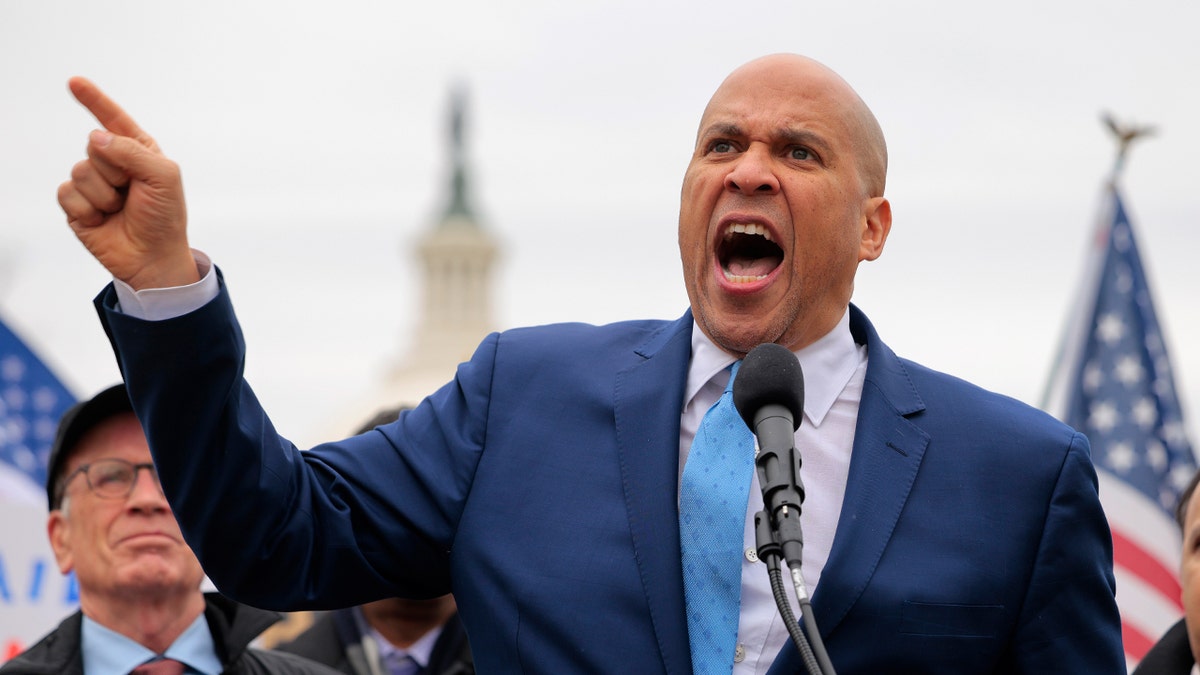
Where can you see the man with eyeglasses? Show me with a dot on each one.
(141, 607)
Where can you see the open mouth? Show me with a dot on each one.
(747, 254)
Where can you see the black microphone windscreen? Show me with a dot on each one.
(770, 374)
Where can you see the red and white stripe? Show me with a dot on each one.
(1146, 552)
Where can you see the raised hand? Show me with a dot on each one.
(125, 201)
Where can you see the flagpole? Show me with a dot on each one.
(1052, 399)
(1125, 135)
(1112, 381)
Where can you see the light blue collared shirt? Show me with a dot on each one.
(107, 652)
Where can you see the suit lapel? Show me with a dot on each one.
(887, 453)
(647, 432)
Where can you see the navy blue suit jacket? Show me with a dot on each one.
(540, 486)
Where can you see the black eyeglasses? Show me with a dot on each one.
(110, 478)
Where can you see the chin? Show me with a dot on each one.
(163, 573)
(739, 339)
(738, 324)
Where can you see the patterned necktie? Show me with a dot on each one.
(712, 518)
(159, 667)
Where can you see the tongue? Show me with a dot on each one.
(752, 267)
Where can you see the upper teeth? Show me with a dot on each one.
(747, 228)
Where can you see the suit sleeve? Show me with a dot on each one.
(1069, 620)
(277, 527)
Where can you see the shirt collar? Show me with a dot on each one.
(107, 652)
(419, 651)
(828, 364)
(195, 647)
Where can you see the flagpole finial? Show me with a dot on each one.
(1125, 134)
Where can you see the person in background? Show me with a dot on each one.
(141, 607)
(394, 636)
(1178, 651)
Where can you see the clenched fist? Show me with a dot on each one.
(125, 201)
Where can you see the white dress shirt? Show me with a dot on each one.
(834, 370)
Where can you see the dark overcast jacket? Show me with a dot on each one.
(233, 626)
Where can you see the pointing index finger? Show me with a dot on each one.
(107, 112)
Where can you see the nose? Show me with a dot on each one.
(753, 173)
(147, 494)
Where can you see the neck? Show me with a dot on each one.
(155, 623)
(403, 622)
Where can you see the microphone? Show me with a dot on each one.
(769, 395)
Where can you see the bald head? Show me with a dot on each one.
(801, 76)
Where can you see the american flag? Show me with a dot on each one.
(1114, 383)
(31, 401)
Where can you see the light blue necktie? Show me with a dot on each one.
(712, 519)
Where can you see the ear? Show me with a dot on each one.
(60, 540)
(877, 223)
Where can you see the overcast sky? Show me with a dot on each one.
(312, 141)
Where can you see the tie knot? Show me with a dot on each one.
(401, 664)
(733, 370)
(159, 667)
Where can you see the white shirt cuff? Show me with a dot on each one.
(157, 304)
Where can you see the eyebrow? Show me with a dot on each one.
(722, 129)
(788, 136)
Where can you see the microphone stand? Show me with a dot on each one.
(778, 533)
(769, 552)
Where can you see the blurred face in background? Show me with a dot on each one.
(1189, 573)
